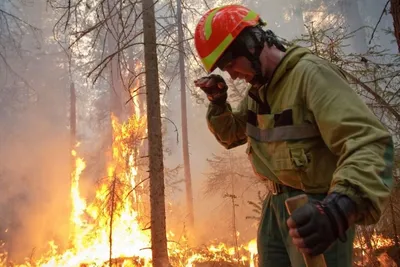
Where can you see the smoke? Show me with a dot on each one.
(34, 141)
(35, 185)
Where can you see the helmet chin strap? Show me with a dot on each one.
(257, 39)
(256, 43)
(258, 78)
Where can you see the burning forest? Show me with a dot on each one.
(97, 171)
(111, 229)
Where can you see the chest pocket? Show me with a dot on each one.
(290, 159)
(272, 133)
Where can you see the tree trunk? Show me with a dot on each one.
(72, 116)
(72, 134)
(112, 205)
(118, 95)
(157, 194)
(395, 11)
(185, 142)
(396, 237)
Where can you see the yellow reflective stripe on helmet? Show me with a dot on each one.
(210, 60)
(208, 24)
(250, 16)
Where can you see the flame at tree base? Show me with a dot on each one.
(109, 230)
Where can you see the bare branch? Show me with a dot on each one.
(379, 20)
(376, 95)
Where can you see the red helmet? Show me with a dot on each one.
(218, 28)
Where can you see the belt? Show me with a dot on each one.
(276, 188)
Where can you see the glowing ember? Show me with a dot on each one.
(365, 256)
(238, 256)
(377, 241)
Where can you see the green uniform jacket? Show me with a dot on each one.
(308, 129)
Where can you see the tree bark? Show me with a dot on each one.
(116, 90)
(185, 142)
(156, 165)
(395, 11)
(396, 237)
(72, 116)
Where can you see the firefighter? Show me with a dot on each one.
(306, 131)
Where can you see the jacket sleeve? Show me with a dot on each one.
(228, 126)
(352, 132)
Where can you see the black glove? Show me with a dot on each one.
(320, 224)
(215, 88)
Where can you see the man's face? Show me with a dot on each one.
(240, 68)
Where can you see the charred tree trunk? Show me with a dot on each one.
(117, 94)
(72, 130)
(72, 116)
(185, 142)
(396, 237)
(112, 210)
(156, 165)
(234, 205)
(395, 11)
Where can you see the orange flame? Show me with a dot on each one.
(108, 228)
(252, 247)
(107, 218)
(377, 241)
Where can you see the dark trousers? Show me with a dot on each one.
(275, 248)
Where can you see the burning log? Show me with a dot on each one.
(221, 255)
(123, 261)
(120, 262)
(379, 251)
(219, 264)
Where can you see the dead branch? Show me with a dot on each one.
(379, 20)
(376, 95)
